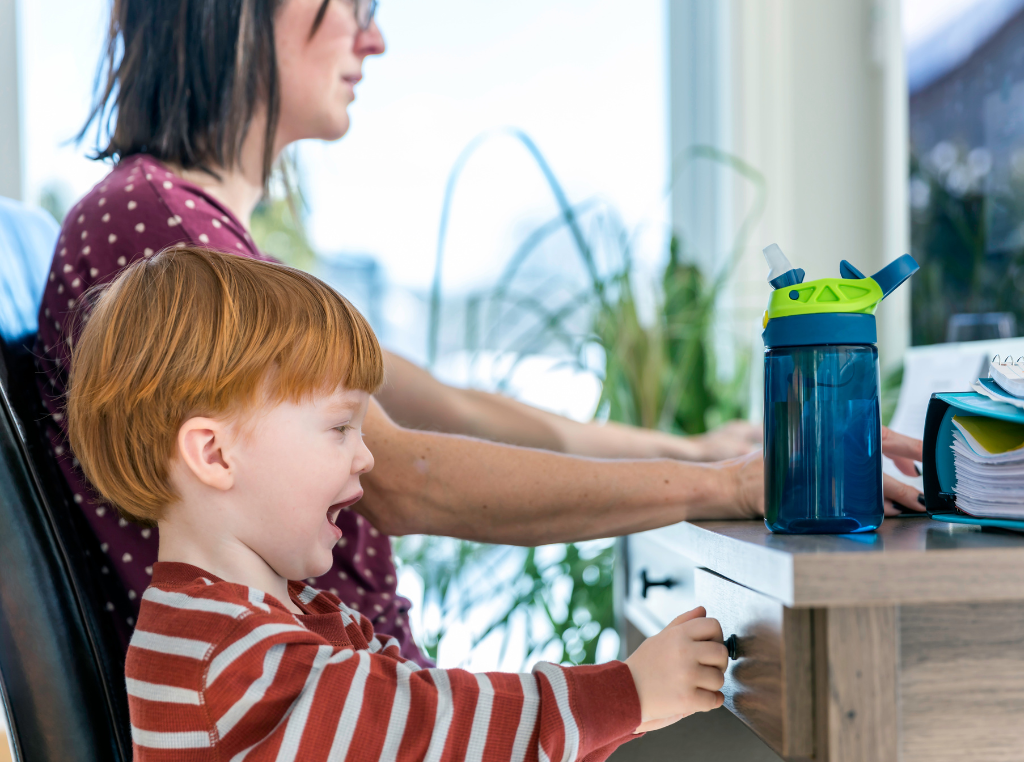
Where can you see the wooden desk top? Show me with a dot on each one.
(907, 561)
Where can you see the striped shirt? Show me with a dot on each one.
(221, 671)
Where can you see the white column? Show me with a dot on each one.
(10, 112)
(818, 103)
(699, 77)
(894, 314)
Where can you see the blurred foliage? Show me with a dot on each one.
(662, 375)
(659, 374)
(891, 383)
(464, 576)
(55, 198)
(956, 208)
(278, 230)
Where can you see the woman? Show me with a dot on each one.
(202, 101)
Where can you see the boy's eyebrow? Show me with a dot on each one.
(338, 407)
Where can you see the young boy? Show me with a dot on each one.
(221, 399)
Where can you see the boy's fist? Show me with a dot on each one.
(680, 670)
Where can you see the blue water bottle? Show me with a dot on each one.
(822, 420)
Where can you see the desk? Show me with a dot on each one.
(904, 644)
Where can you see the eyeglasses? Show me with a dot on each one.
(365, 10)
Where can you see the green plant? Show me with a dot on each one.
(658, 373)
(278, 231)
(462, 576)
(276, 224)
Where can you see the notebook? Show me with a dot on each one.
(1008, 374)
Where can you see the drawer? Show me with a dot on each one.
(659, 584)
(770, 685)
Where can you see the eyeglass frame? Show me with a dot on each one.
(364, 8)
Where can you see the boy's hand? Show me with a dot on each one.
(680, 670)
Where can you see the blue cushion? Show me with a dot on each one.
(27, 239)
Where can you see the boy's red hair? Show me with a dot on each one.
(193, 332)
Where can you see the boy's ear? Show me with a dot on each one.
(201, 445)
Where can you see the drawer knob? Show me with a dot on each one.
(667, 583)
(732, 645)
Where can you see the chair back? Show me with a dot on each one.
(61, 659)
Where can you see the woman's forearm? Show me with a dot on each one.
(425, 482)
(415, 399)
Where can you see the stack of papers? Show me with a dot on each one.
(988, 460)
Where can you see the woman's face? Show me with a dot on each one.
(317, 76)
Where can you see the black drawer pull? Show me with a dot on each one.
(667, 583)
(732, 645)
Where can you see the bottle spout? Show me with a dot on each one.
(781, 274)
(892, 276)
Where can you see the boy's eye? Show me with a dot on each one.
(343, 428)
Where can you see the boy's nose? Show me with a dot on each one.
(363, 462)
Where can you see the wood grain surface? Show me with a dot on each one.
(962, 681)
(856, 684)
(907, 561)
(769, 687)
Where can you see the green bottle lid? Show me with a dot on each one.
(829, 294)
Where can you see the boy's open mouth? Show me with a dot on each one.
(335, 509)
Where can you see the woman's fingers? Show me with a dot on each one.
(906, 466)
(895, 445)
(902, 493)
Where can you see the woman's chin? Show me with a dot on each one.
(332, 128)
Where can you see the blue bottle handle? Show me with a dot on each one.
(891, 276)
(850, 272)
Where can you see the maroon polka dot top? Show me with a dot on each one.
(140, 208)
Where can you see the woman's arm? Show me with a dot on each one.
(426, 482)
(415, 399)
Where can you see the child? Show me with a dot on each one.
(221, 398)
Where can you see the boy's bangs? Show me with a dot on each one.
(326, 345)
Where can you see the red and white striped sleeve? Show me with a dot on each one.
(273, 690)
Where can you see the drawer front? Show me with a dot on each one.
(660, 583)
(770, 685)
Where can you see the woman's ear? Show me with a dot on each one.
(202, 444)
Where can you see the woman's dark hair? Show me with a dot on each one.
(183, 79)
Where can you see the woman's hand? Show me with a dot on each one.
(732, 439)
(903, 451)
(744, 489)
(747, 478)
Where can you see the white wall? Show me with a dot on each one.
(819, 105)
(10, 114)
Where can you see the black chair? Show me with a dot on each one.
(61, 659)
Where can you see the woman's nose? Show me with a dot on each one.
(370, 42)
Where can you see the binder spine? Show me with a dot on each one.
(935, 499)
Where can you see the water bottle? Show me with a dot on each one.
(822, 418)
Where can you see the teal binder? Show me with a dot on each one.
(984, 522)
(937, 465)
